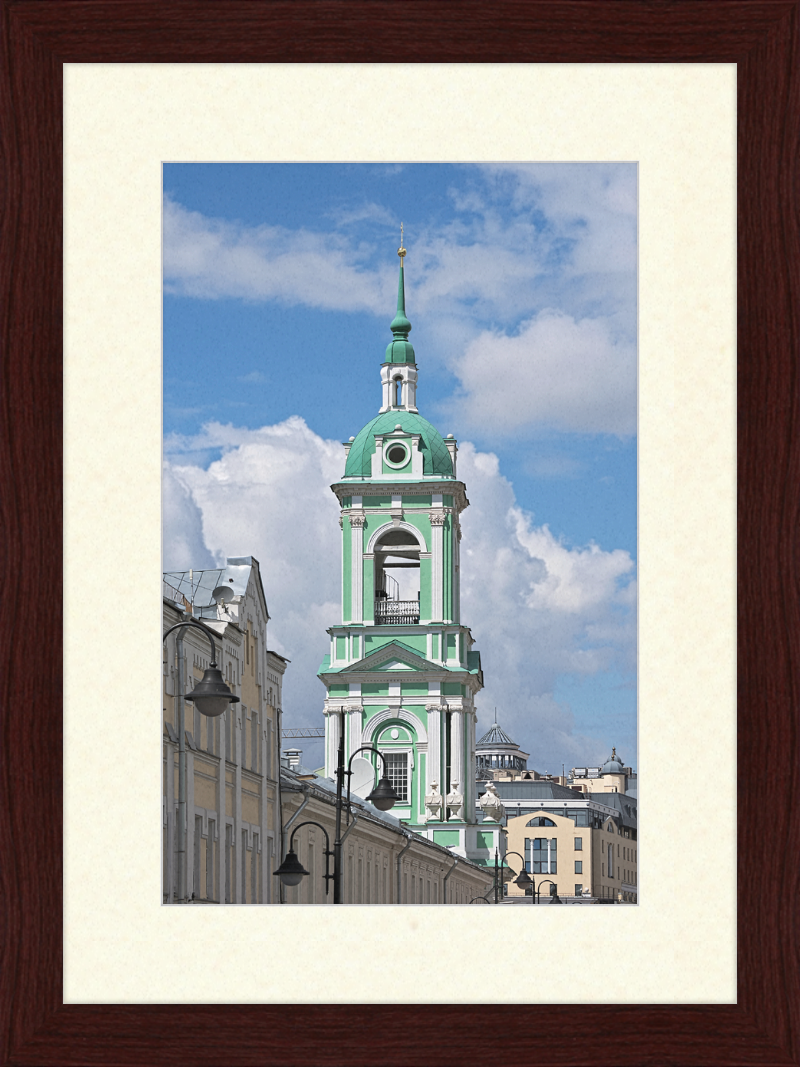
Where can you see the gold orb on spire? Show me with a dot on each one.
(401, 251)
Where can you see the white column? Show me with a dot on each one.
(357, 568)
(434, 762)
(457, 752)
(331, 739)
(469, 784)
(437, 565)
(354, 719)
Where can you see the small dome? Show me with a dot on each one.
(436, 460)
(613, 764)
(495, 736)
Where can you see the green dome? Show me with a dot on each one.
(435, 457)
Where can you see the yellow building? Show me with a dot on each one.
(232, 761)
(383, 862)
(587, 841)
(599, 861)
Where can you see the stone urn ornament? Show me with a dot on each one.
(491, 804)
(454, 800)
(433, 804)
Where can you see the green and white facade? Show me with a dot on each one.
(401, 661)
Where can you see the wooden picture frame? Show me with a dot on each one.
(762, 39)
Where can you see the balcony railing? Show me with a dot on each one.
(396, 612)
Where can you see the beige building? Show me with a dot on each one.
(612, 777)
(599, 860)
(232, 761)
(383, 862)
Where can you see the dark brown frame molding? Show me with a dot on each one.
(38, 36)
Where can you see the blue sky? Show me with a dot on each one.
(280, 283)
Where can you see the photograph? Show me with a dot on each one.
(399, 533)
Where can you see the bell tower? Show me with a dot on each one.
(401, 662)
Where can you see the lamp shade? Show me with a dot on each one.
(523, 879)
(291, 871)
(383, 795)
(211, 695)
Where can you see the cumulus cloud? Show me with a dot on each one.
(182, 543)
(213, 258)
(554, 372)
(538, 608)
(483, 285)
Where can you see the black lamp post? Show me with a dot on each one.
(291, 871)
(382, 796)
(523, 879)
(211, 697)
(555, 896)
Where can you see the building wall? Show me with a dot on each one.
(233, 812)
(604, 882)
(370, 863)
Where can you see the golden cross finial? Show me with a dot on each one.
(401, 251)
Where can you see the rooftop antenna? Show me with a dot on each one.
(191, 589)
(222, 596)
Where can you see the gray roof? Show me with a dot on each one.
(199, 588)
(518, 792)
(625, 804)
(495, 736)
(538, 790)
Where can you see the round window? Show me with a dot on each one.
(397, 454)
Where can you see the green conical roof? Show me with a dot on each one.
(436, 460)
(400, 350)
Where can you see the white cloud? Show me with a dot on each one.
(537, 608)
(214, 258)
(554, 372)
(182, 543)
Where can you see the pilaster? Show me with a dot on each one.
(357, 568)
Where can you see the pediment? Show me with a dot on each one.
(393, 657)
(395, 665)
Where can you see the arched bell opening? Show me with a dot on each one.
(397, 578)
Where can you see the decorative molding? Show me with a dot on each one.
(437, 517)
(371, 725)
(415, 533)
(357, 520)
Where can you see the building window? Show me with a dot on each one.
(578, 889)
(541, 852)
(610, 861)
(198, 833)
(255, 870)
(579, 866)
(397, 772)
(212, 827)
(540, 821)
(228, 864)
(244, 866)
(579, 844)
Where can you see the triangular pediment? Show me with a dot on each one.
(393, 657)
(395, 665)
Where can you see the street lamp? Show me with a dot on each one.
(292, 871)
(382, 797)
(555, 896)
(523, 879)
(211, 697)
